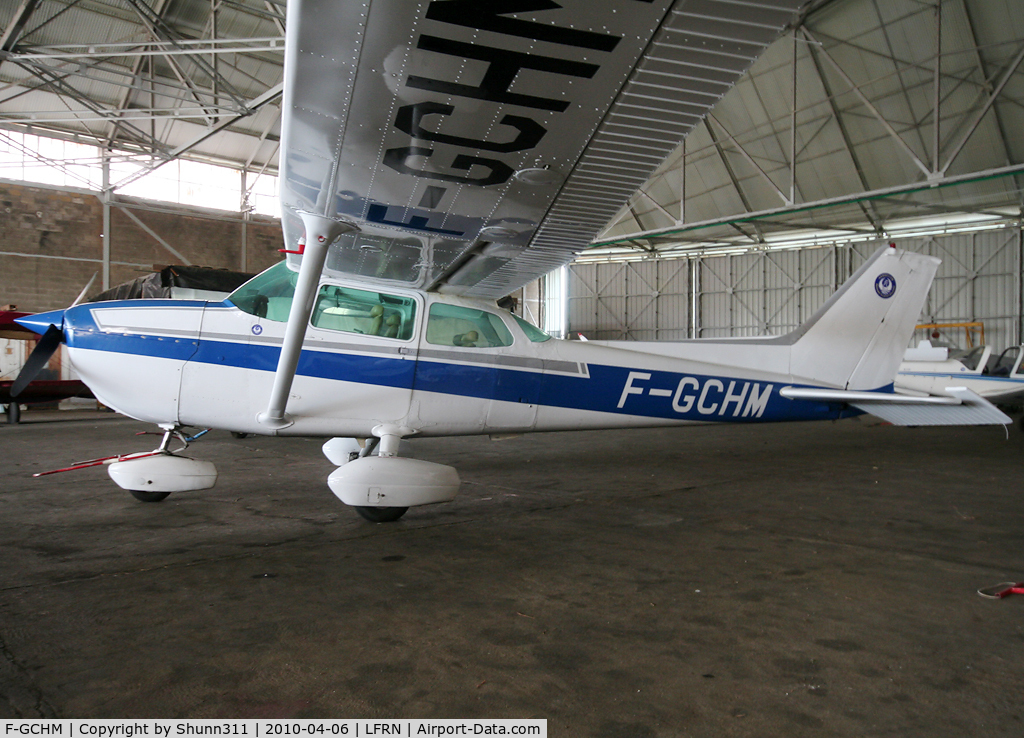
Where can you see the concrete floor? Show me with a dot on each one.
(793, 580)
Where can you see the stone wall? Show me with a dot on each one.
(51, 242)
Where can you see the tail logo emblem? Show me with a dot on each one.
(885, 285)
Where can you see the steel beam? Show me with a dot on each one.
(177, 254)
(872, 217)
(735, 182)
(984, 109)
(817, 205)
(60, 87)
(898, 70)
(13, 31)
(869, 105)
(750, 160)
(160, 30)
(250, 107)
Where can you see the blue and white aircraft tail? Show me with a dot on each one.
(855, 341)
(847, 352)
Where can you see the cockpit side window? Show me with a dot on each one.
(361, 311)
(451, 325)
(269, 294)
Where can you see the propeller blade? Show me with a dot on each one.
(85, 290)
(39, 357)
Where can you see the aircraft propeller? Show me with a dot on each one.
(40, 356)
(49, 341)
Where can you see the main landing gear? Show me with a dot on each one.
(341, 451)
(143, 496)
(382, 488)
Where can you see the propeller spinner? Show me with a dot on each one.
(52, 338)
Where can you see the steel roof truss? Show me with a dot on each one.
(17, 24)
(869, 105)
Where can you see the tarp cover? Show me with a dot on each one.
(159, 284)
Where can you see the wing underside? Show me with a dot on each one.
(479, 145)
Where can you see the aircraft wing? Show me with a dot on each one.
(478, 145)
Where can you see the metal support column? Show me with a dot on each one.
(792, 127)
(936, 86)
(105, 196)
(243, 256)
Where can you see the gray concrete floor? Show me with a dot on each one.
(793, 580)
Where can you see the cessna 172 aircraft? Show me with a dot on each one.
(435, 157)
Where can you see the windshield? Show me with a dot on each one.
(532, 332)
(1004, 365)
(267, 295)
(972, 357)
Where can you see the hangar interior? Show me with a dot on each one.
(868, 122)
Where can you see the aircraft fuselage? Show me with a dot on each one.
(212, 364)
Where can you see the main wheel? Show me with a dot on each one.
(236, 434)
(148, 496)
(381, 514)
(14, 413)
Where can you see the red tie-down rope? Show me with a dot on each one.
(1001, 590)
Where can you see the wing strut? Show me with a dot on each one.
(321, 232)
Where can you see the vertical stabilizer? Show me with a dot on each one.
(857, 339)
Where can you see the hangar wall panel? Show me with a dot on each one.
(638, 301)
(772, 292)
(763, 293)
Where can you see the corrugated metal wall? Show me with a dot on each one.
(773, 292)
(637, 301)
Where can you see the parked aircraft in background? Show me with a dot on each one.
(930, 369)
(436, 157)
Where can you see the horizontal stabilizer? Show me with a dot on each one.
(961, 407)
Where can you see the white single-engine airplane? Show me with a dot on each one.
(435, 157)
(930, 369)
